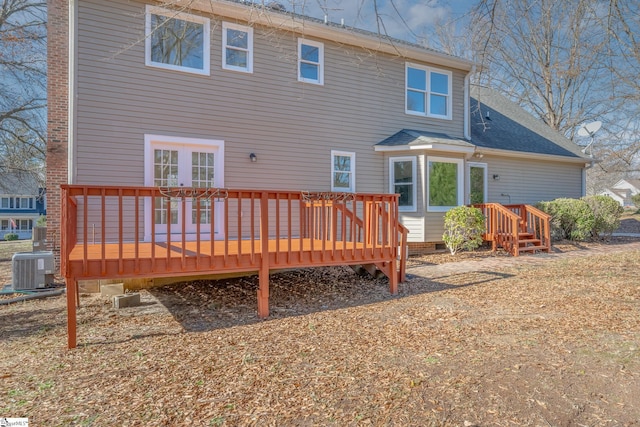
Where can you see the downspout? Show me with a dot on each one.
(467, 102)
(72, 83)
(586, 167)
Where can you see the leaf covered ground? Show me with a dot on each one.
(552, 342)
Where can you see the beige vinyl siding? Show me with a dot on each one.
(291, 126)
(529, 182)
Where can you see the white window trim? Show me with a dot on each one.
(249, 50)
(206, 62)
(320, 62)
(414, 173)
(468, 180)
(352, 182)
(428, 71)
(460, 179)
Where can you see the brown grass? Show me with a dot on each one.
(553, 343)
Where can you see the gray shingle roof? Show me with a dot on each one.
(411, 137)
(512, 128)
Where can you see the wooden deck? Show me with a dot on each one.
(108, 233)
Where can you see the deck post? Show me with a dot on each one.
(263, 274)
(393, 277)
(72, 291)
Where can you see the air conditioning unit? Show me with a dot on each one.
(32, 270)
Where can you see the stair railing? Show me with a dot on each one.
(536, 222)
(502, 227)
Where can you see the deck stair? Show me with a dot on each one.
(516, 228)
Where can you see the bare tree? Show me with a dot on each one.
(22, 85)
(568, 63)
(547, 55)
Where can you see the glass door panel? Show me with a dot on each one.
(165, 174)
(202, 176)
(477, 181)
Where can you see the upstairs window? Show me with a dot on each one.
(237, 47)
(310, 62)
(343, 166)
(176, 41)
(428, 92)
(16, 203)
(402, 179)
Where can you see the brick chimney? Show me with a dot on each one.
(57, 116)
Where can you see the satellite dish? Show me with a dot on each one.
(589, 129)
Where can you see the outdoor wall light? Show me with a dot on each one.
(478, 155)
(496, 177)
(253, 157)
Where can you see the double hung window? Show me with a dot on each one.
(310, 61)
(343, 167)
(237, 47)
(428, 91)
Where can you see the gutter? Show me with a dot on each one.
(527, 155)
(309, 27)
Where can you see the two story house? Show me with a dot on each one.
(227, 94)
(22, 202)
(210, 136)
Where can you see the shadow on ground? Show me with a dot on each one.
(208, 304)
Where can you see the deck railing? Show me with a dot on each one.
(302, 228)
(125, 232)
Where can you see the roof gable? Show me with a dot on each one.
(498, 123)
(630, 184)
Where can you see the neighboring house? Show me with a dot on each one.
(22, 202)
(623, 190)
(262, 99)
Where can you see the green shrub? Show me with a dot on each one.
(606, 213)
(42, 221)
(463, 228)
(636, 200)
(571, 219)
(10, 236)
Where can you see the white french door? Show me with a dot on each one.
(174, 163)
